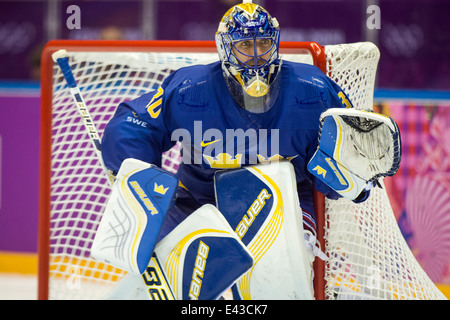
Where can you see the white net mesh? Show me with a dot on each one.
(354, 67)
(369, 259)
(368, 256)
(363, 242)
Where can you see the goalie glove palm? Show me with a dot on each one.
(355, 149)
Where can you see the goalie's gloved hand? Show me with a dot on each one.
(356, 148)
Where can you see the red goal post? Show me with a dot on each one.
(73, 187)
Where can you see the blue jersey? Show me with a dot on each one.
(193, 105)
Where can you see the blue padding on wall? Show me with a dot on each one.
(389, 94)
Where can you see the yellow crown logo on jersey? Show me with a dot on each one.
(274, 158)
(224, 161)
(160, 189)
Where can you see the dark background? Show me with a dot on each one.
(413, 37)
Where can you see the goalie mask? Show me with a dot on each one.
(247, 42)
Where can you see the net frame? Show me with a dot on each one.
(66, 269)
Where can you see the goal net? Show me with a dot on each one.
(367, 255)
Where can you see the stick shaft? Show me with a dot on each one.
(63, 62)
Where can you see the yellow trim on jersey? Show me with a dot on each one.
(154, 103)
(344, 99)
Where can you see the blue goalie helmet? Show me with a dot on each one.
(248, 45)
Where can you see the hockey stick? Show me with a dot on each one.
(61, 58)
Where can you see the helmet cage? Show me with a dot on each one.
(251, 65)
(240, 26)
(250, 74)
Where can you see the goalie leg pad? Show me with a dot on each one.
(199, 260)
(141, 195)
(261, 204)
(203, 257)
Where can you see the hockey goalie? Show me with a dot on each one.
(258, 134)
